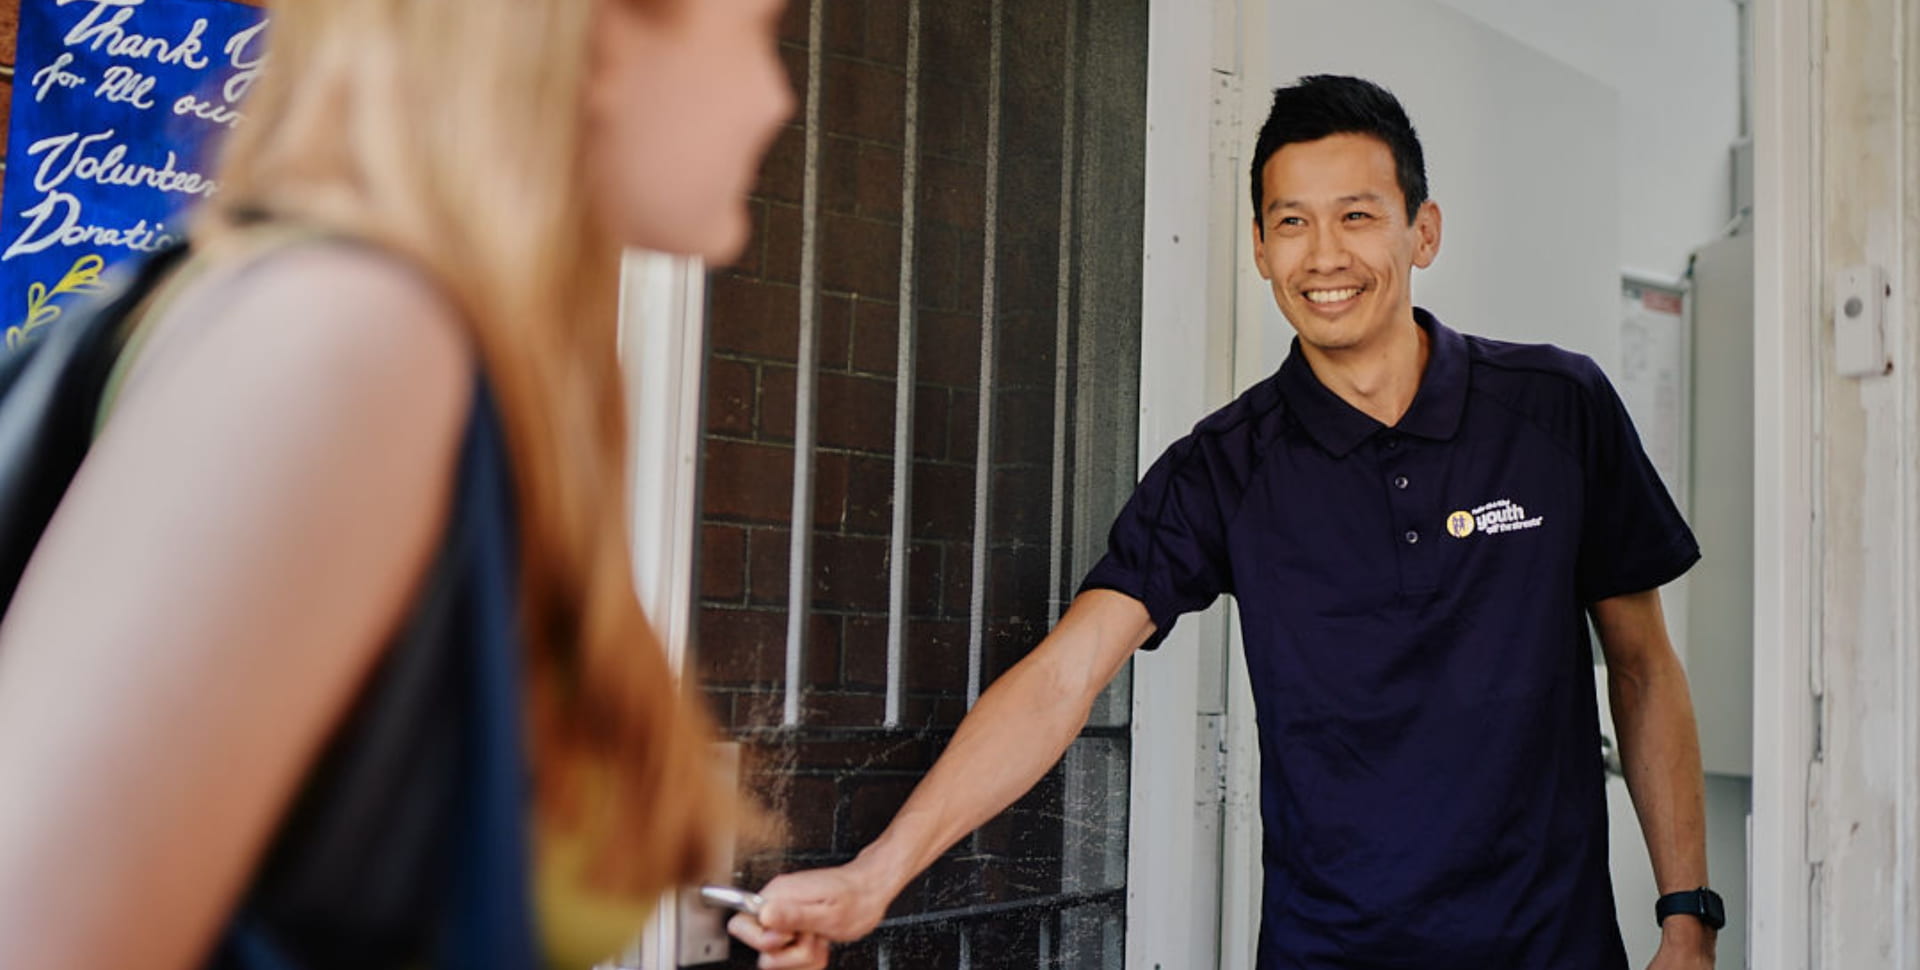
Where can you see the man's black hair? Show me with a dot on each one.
(1320, 105)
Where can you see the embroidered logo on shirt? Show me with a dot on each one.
(1460, 524)
(1493, 518)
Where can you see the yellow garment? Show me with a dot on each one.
(579, 926)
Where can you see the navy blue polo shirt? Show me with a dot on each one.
(1413, 603)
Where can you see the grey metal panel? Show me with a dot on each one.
(1720, 588)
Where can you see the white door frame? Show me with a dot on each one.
(1193, 856)
(1785, 555)
(662, 357)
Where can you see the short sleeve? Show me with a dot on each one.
(1168, 547)
(1632, 536)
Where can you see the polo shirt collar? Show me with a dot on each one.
(1339, 427)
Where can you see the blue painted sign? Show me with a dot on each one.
(116, 105)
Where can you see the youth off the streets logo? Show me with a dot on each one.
(1503, 515)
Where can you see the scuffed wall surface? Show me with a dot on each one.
(1863, 807)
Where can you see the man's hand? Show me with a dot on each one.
(804, 910)
(1685, 944)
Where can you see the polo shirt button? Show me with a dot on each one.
(1391, 442)
(1412, 537)
(1400, 481)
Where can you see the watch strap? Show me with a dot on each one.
(1702, 904)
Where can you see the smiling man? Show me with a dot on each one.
(1417, 525)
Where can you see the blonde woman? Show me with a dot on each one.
(370, 425)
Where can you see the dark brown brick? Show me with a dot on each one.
(953, 116)
(887, 31)
(783, 172)
(835, 330)
(831, 473)
(811, 810)
(793, 23)
(872, 805)
(768, 557)
(953, 193)
(956, 39)
(864, 652)
(821, 654)
(1025, 349)
(1017, 577)
(784, 233)
(723, 563)
(863, 100)
(948, 349)
(930, 426)
(925, 579)
(839, 709)
(936, 655)
(849, 573)
(779, 391)
(844, 27)
(855, 413)
(752, 256)
(1021, 504)
(943, 710)
(755, 318)
(942, 501)
(875, 338)
(741, 646)
(839, 172)
(869, 508)
(956, 594)
(878, 190)
(963, 425)
(748, 482)
(1023, 432)
(729, 397)
(1028, 271)
(859, 256)
(937, 257)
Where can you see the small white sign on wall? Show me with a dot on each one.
(1652, 375)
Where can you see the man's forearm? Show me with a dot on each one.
(1660, 753)
(1017, 731)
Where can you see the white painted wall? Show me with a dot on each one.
(1674, 65)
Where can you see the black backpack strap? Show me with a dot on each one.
(50, 391)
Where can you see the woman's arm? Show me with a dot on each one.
(239, 544)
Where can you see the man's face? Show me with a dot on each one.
(1337, 246)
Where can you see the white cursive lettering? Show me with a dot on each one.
(141, 237)
(55, 75)
(110, 168)
(246, 61)
(125, 85)
(113, 36)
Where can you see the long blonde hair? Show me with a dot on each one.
(450, 133)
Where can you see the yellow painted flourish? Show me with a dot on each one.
(84, 277)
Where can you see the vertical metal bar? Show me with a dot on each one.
(1062, 314)
(883, 956)
(800, 551)
(903, 381)
(966, 947)
(983, 444)
(1046, 940)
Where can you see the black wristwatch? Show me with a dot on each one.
(1702, 904)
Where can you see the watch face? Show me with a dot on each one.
(1714, 910)
(1703, 904)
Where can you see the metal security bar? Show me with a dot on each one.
(903, 388)
(983, 450)
(800, 549)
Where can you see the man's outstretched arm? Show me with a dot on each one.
(1660, 753)
(1017, 731)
